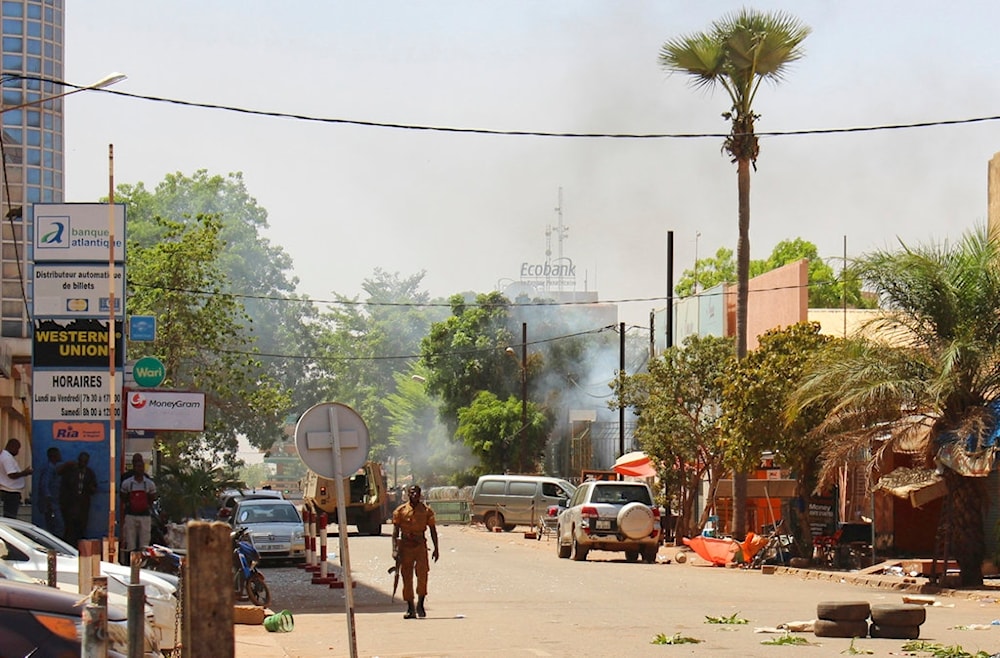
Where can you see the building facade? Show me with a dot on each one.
(31, 37)
(32, 43)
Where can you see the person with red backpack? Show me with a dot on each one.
(137, 494)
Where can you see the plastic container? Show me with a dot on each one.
(281, 622)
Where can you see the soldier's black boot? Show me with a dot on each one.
(420, 608)
(410, 612)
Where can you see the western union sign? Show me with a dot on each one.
(81, 343)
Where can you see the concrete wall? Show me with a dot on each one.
(779, 298)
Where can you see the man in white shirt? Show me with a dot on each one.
(11, 478)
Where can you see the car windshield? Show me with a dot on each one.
(267, 514)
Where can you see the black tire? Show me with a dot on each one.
(827, 628)
(373, 527)
(631, 556)
(649, 554)
(509, 527)
(903, 614)
(579, 552)
(493, 520)
(894, 632)
(843, 611)
(257, 590)
(561, 550)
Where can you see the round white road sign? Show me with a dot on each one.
(314, 438)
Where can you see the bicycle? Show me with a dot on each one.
(774, 548)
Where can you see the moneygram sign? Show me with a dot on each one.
(167, 411)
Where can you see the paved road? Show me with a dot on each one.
(499, 594)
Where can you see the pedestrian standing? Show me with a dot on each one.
(78, 486)
(11, 478)
(47, 492)
(409, 548)
(137, 494)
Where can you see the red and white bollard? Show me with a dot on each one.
(322, 578)
(306, 515)
(313, 553)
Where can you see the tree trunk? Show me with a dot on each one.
(742, 296)
(967, 536)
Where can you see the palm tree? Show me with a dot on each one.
(738, 52)
(942, 373)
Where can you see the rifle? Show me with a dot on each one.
(395, 579)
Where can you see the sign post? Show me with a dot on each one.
(332, 439)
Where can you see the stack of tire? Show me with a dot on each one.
(850, 619)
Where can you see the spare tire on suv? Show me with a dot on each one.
(635, 521)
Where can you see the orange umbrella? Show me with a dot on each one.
(634, 464)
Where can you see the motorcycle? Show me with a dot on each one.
(246, 578)
(161, 558)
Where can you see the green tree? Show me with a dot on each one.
(417, 436)
(708, 272)
(678, 402)
(201, 336)
(256, 273)
(362, 345)
(826, 289)
(194, 485)
(942, 369)
(491, 428)
(755, 398)
(738, 52)
(465, 354)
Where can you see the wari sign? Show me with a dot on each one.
(170, 411)
(78, 232)
(81, 343)
(76, 290)
(73, 395)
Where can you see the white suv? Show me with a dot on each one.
(610, 516)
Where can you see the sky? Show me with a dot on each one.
(469, 209)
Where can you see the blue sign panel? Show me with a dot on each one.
(142, 328)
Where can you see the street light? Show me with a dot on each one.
(106, 81)
(524, 389)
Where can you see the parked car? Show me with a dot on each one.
(229, 498)
(275, 527)
(31, 557)
(506, 501)
(610, 516)
(36, 620)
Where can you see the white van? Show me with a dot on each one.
(505, 501)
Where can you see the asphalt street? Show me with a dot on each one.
(501, 594)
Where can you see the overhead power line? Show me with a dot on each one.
(542, 133)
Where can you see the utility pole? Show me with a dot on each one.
(621, 378)
(524, 394)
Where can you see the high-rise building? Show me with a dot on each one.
(32, 147)
(31, 151)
